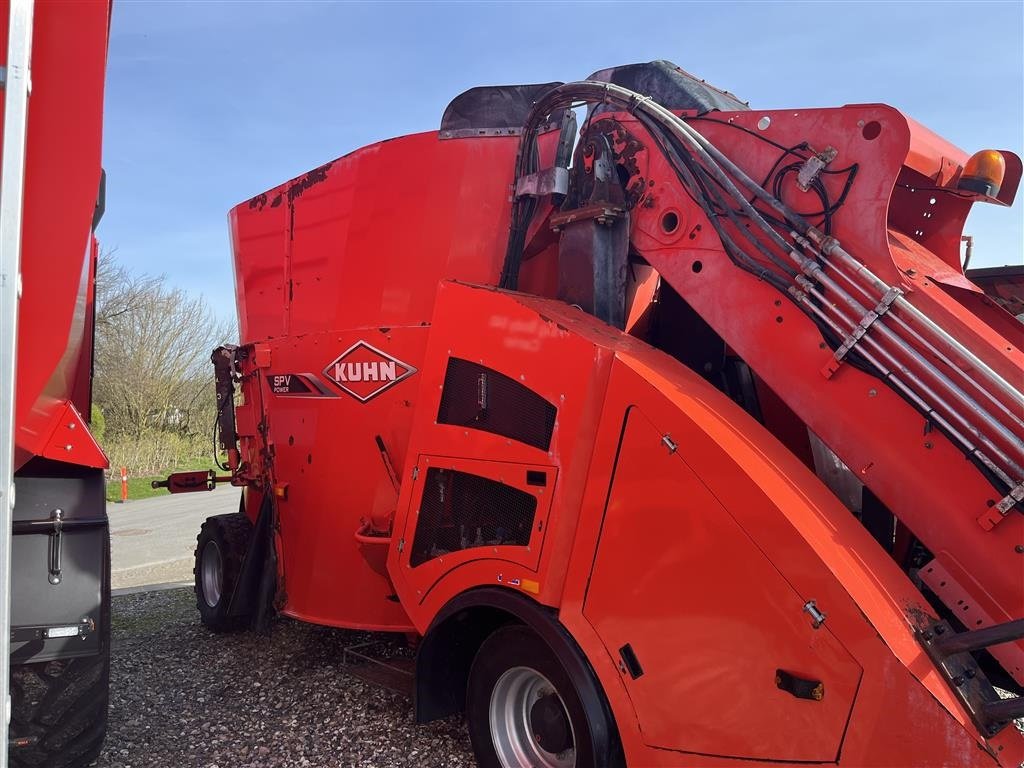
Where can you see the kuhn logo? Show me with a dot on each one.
(364, 371)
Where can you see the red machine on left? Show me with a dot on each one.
(55, 562)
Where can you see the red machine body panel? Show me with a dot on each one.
(849, 410)
(741, 611)
(58, 262)
(390, 243)
(624, 491)
(808, 545)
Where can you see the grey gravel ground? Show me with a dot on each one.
(182, 696)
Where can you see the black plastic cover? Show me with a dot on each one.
(670, 86)
(478, 397)
(491, 108)
(42, 486)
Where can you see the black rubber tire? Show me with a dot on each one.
(60, 707)
(518, 646)
(231, 533)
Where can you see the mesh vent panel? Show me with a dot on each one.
(478, 397)
(461, 511)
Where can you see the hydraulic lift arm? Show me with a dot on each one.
(854, 318)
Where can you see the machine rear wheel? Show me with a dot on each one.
(523, 709)
(59, 712)
(220, 549)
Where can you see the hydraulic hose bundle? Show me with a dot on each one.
(951, 386)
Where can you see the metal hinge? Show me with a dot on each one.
(415, 472)
(817, 617)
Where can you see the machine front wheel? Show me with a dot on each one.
(523, 708)
(220, 549)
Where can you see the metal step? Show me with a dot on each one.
(951, 651)
(384, 663)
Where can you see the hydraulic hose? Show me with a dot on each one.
(715, 165)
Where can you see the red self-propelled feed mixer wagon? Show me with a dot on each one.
(680, 441)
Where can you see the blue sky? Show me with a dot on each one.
(209, 103)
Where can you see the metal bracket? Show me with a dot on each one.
(813, 166)
(550, 181)
(994, 514)
(25, 634)
(950, 651)
(858, 332)
(603, 214)
(487, 133)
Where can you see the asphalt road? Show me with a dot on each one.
(152, 540)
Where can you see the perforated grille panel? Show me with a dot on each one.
(478, 397)
(460, 511)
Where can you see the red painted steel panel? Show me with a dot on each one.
(363, 240)
(354, 251)
(821, 550)
(324, 450)
(709, 617)
(915, 470)
(62, 178)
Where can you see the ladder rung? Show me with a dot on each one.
(1004, 710)
(977, 639)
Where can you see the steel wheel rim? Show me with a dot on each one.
(515, 743)
(212, 571)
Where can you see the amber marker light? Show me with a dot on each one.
(983, 173)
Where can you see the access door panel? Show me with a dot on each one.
(466, 510)
(719, 644)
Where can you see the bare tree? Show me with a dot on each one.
(118, 290)
(153, 344)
